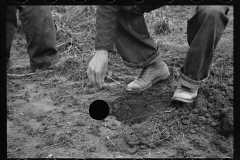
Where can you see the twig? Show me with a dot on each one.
(63, 44)
(115, 81)
(85, 38)
(20, 75)
(26, 75)
(155, 109)
(166, 137)
(168, 111)
(44, 120)
(141, 117)
(168, 126)
(154, 101)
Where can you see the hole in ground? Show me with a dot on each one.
(136, 108)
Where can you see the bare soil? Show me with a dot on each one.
(47, 113)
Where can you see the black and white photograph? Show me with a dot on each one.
(119, 81)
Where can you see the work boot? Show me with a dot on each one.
(150, 74)
(47, 63)
(187, 90)
(185, 94)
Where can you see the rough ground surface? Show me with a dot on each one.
(47, 113)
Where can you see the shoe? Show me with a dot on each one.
(187, 90)
(9, 64)
(46, 64)
(185, 94)
(150, 74)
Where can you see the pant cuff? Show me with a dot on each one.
(188, 82)
(150, 60)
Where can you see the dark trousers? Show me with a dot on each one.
(204, 31)
(38, 27)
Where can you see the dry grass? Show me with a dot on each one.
(76, 31)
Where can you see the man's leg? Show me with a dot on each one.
(38, 27)
(11, 24)
(204, 31)
(137, 48)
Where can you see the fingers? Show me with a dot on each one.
(91, 76)
(103, 75)
(94, 77)
(99, 80)
(97, 68)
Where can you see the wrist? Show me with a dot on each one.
(101, 52)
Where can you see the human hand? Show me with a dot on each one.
(97, 68)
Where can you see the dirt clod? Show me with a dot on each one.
(92, 149)
(226, 121)
(202, 119)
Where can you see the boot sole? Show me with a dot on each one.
(183, 100)
(150, 85)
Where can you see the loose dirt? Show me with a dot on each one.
(47, 113)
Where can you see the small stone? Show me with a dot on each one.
(214, 124)
(192, 131)
(142, 146)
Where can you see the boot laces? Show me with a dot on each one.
(143, 74)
